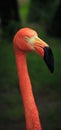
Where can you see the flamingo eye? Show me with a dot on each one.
(30, 40)
(26, 38)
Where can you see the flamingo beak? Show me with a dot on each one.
(45, 51)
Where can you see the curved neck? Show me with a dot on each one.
(31, 112)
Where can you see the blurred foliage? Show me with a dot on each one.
(42, 10)
(46, 86)
(55, 27)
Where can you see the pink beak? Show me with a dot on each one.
(45, 51)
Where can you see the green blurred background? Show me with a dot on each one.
(44, 16)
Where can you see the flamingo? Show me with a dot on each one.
(26, 40)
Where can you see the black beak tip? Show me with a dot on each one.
(49, 59)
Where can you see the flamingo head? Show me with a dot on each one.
(27, 39)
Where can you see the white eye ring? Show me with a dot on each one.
(30, 40)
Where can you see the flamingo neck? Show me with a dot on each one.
(31, 112)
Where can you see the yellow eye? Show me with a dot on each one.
(26, 38)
